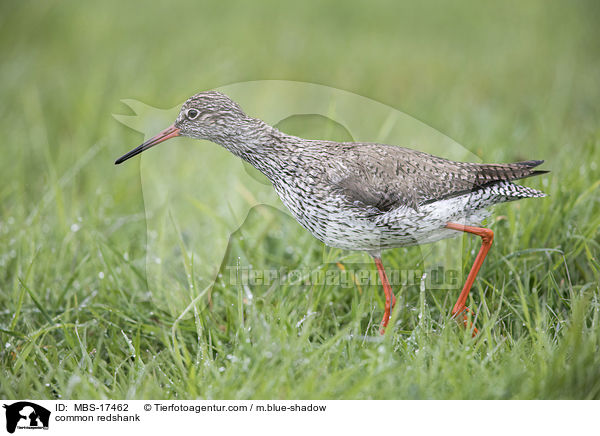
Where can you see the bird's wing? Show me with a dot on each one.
(386, 177)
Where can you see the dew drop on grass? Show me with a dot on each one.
(248, 292)
(304, 318)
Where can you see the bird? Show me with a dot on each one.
(361, 196)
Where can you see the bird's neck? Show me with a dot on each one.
(263, 146)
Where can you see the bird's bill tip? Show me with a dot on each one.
(169, 132)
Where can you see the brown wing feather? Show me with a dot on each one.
(385, 177)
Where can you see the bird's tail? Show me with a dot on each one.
(507, 172)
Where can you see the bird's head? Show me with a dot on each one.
(208, 115)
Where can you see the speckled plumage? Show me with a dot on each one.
(359, 196)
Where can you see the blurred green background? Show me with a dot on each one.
(508, 81)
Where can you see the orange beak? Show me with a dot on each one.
(169, 132)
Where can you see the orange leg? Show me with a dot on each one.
(487, 236)
(390, 298)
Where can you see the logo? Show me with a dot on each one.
(26, 415)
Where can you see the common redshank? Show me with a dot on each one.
(360, 196)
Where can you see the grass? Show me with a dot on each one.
(80, 315)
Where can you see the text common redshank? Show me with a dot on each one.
(360, 196)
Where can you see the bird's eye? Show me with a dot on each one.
(192, 114)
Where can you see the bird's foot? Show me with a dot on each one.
(382, 328)
(385, 321)
(456, 315)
